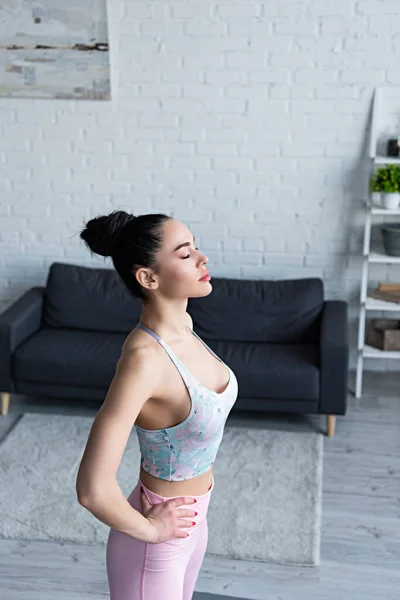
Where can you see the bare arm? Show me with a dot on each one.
(136, 379)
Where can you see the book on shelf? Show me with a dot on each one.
(389, 287)
(386, 296)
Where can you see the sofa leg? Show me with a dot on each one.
(331, 422)
(5, 402)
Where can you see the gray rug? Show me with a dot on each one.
(266, 503)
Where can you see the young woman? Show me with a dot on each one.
(177, 393)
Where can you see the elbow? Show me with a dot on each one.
(86, 496)
(91, 490)
(90, 500)
(85, 500)
(92, 496)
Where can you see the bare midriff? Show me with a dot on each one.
(197, 486)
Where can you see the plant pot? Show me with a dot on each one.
(390, 200)
(376, 199)
(391, 238)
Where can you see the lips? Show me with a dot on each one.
(204, 276)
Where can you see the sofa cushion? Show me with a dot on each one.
(89, 359)
(281, 311)
(87, 298)
(72, 358)
(287, 371)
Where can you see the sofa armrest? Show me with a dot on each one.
(334, 357)
(17, 323)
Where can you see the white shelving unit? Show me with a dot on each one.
(373, 257)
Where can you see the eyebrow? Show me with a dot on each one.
(184, 244)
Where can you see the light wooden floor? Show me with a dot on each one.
(360, 549)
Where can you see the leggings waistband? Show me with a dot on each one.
(201, 506)
(152, 495)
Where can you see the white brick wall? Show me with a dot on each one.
(246, 120)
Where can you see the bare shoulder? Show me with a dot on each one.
(140, 349)
(139, 343)
(138, 377)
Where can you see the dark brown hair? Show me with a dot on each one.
(130, 241)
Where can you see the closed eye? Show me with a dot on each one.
(188, 256)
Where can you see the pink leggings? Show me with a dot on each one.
(138, 570)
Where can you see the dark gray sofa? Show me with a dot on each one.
(287, 345)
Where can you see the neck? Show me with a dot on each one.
(169, 321)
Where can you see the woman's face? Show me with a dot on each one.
(181, 264)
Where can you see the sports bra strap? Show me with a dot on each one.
(150, 331)
(180, 366)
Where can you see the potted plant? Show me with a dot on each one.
(386, 181)
(375, 191)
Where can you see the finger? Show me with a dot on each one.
(186, 523)
(181, 534)
(184, 500)
(186, 512)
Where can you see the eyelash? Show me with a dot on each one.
(188, 256)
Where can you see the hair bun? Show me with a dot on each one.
(102, 233)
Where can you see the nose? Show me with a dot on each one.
(203, 259)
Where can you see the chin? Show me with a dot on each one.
(204, 290)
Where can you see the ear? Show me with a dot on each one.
(146, 279)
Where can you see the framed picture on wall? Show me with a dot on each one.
(54, 49)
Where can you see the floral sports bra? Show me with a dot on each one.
(188, 449)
